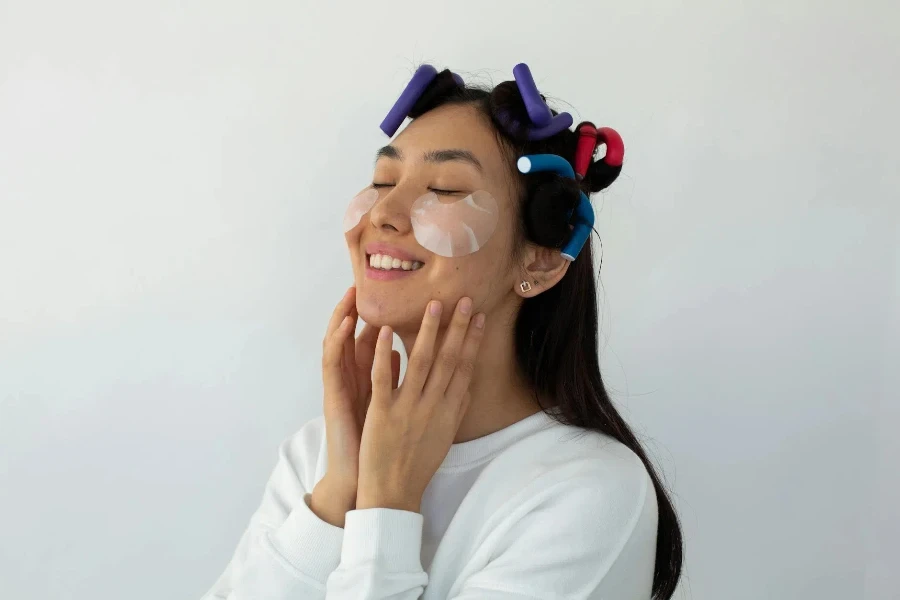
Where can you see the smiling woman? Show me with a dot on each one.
(499, 468)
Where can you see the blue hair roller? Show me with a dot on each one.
(583, 212)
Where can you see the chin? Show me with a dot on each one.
(384, 307)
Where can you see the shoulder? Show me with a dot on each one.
(572, 468)
(560, 452)
(574, 502)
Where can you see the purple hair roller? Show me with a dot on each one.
(557, 124)
(538, 111)
(420, 80)
(514, 128)
(459, 80)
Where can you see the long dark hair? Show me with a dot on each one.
(556, 331)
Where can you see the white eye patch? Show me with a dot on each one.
(454, 229)
(448, 229)
(360, 205)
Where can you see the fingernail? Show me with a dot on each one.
(479, 320)
(435, 308)
(385, 333)
(465, 306)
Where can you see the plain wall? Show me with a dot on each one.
(172, 180)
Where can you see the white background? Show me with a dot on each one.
(172, 180)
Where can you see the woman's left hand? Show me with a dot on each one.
(409, 430)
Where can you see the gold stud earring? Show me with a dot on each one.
(525, 287)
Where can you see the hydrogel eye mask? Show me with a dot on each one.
(448, 229)
(360, 205)
(454, 229)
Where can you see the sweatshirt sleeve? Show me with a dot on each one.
(380, 558)
(286, 551)
(583, 538)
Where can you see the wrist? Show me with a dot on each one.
(330, 502)
(342, 491)
(366, 500)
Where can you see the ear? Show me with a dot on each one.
(542, 268)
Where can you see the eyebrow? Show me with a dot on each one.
(434, 156)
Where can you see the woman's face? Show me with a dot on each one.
(416, 163)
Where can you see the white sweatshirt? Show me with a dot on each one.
(537, 510)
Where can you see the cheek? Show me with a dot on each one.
(481, 275)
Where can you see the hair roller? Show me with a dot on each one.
(549, 208)
(444, 84)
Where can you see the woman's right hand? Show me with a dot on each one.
(347, 379)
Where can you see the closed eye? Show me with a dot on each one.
(441, 192)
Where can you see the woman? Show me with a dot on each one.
(499, 468)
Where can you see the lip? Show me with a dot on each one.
(394, 251)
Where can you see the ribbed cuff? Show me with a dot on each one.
(309, 543)
(388, 537)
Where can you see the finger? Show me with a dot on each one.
(465, 367)
(395, 369)
(340, 311)
(448, 356)
(333, 355)
(381, 368)
(365, 355)
(349, 348)
(422, 354)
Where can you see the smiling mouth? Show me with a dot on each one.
(385, 262)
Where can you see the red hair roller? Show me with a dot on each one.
(589, 137)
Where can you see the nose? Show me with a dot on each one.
(391, 212)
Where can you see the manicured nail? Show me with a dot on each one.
(465, 306)
(435, 308)
(479, 320)
(385, 333)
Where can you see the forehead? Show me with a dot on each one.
(456, 126)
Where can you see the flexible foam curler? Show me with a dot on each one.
(423, 76)
(538, 111)
(582, 214)
(420, 80)
(584, 152)
(534, 163)
(557, 124)
(584, 224)
(615, 148)
(542, 123)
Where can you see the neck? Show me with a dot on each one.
(500, 395)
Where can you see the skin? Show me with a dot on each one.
(385, 442)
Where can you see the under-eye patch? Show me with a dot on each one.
(448, 229)
(360, 205)
(456, 228)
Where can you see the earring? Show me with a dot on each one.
(525, 287)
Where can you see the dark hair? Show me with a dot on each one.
(556, 331)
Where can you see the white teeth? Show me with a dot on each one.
(386, 263)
